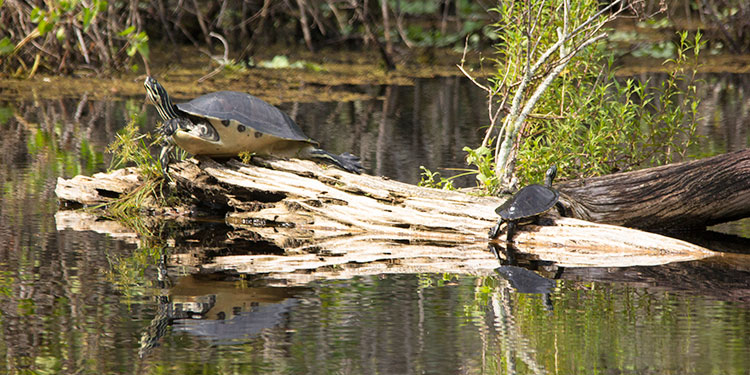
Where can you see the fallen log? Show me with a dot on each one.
(300, 220)
(688, 195)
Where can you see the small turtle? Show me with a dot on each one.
(226, 123)
(526, 205)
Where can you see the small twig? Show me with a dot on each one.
(35, 66)
(401, 32)
(531, 31)
(33, 34)
(99, 42)
(222, 62)
(81, 105)
(386, 27)
(145, 64)
(224, 42)
(220, 15)
(390, 65)
(490, 92)
(469, 76)
(83, 45)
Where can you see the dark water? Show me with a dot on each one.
(84, 302)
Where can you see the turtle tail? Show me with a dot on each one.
(344, 161)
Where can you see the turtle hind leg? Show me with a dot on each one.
(561, 209)
(344, 161)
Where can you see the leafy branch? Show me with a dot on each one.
(527, 28)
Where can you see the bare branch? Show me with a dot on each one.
(222, 62)
(542, 59)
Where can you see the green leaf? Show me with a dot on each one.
(138, 43)
(44, 27)
(66, 5)
(36, 15)
(6, 113)
(143, 49)
(127, 31)
(6, 46)
(60, 34)
(141, 37)
(88, 15)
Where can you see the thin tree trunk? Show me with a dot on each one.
(305, 24)
(386, 27)
(202, 22)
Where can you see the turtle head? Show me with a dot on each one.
(551, 173)
(158, 95)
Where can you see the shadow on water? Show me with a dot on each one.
(84, 302)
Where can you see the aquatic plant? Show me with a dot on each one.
(130, 146)
(133, 148)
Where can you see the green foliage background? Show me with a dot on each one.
(587, 122)
(108, 37)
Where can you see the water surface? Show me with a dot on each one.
(84, 302)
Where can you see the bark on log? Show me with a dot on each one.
(687, 195)
(312, 221)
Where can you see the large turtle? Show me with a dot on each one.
(226, 123)
(526, 205)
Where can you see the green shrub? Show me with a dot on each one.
(554, 99)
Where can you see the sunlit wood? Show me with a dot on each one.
(324, 222)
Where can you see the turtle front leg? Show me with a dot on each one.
(511, 230)
(165, 158)
(495, 231)
(169, 127)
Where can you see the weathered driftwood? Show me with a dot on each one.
(692, 194)
(100, 188)
(311, 221)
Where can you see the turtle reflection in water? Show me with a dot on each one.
(526, 205)
(226, 123)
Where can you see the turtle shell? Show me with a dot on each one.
(244, 109)
(530, 201)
